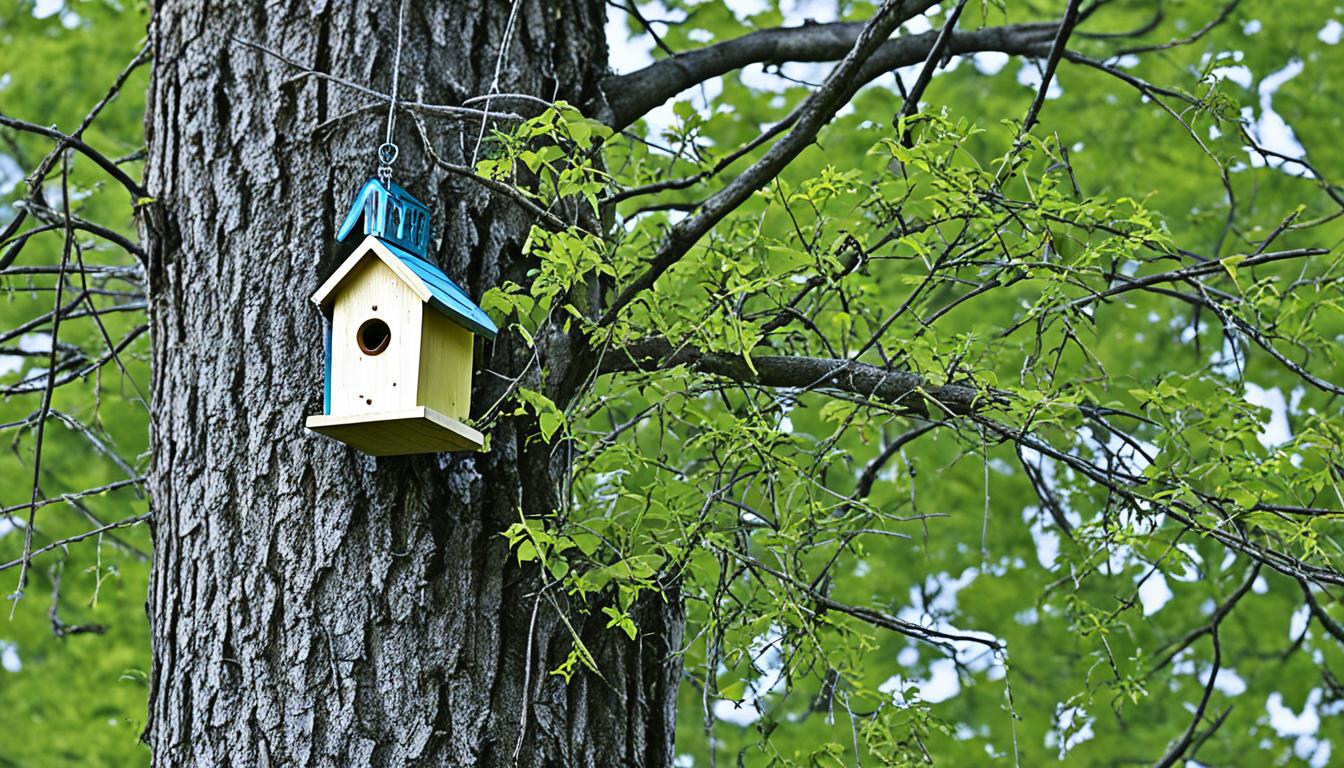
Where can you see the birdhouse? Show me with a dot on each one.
(400, 336)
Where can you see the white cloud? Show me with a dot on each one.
(1030, 76)
(1239, 74)
(1285, 722)
(1228, 682)
(35, 342)
(990, 62)
(9, 657)
(767, 658)
(1276, 431)
(9, 364)
(1154, 593)
(942, 683)
(742, 714)
(975, 657)
(1271, 131)
(1331, 32)
(1189, 562)
(44, 8)
(918, 25)
(1065, 719)
(744, 8)
(1298, 623)
(821, 11)
(1227, 361)
(1045, 538)
(10, 174)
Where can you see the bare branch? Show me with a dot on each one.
(24, 387)
(868, 615)
(57, 219)
(102, 160)
(1056, 51)
(907, 392)
(513, 193)
(633, 95)
(1183, 743)
(1196, 35)
(936, 52)
(461, 113)
(48, 391)
(126, 523)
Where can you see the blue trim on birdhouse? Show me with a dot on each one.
(391, 214)
(326, 371)
(445, 295)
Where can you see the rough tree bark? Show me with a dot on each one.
(309, 605)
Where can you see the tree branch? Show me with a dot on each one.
(1052, 63)
(126, 523)
(1183, 743)
(816, 111)
(84, 149)
(936, 53)
(813, 114)
(633, 95)
(902, 389)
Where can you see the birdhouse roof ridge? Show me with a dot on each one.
(427, 281)
(446, 295)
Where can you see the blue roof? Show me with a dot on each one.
(445, 295)
(401, 223)
(390, 213)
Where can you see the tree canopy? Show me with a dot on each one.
(969, 370)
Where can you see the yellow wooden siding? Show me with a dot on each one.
(445, 365)
(388, 381)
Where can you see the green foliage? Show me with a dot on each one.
(866, 583)
(927, 256)
(77, 699)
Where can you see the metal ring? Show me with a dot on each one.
(387, 153)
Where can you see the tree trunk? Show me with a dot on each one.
(310, 605)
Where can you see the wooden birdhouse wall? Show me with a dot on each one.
(369, 379)
(445, 365)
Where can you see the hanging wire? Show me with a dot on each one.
(494, 82)
(388, 151)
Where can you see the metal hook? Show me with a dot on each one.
(387, 155)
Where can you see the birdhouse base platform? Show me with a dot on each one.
(395, 433)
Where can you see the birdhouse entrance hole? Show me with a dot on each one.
(373, 336)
